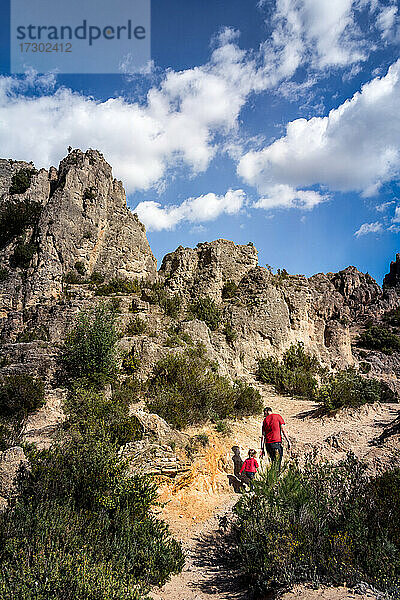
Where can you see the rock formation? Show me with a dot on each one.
(85, 230)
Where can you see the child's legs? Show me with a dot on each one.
(250, 477)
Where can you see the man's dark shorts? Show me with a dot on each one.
(275, 451)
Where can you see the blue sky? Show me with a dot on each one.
(275, 122)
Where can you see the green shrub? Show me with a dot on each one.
(96, 277)
(118, 286)
(83, 528)
(89, 193)
(294, 375)
(23, 254)
(4, 273)
(20, 395)
(206, 310)
(131, 362)
(185, 389)
(80, 267)
(365, 367)
(36, 333)
(229, 290)
(223, 427)
(92, 412)
(324, 523)
(127, 391)
(16, 217)
(176, 337)
(230, 333)
(136, 326)
(156, 294)
(393, 317)
(90, 348)
(379, 337)
(21, 181)
(348, 388)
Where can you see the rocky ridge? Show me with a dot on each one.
(85, 230)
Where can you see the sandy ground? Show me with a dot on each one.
(194, 504)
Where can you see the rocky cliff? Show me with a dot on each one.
(82, 231)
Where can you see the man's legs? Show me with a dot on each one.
(275, 453)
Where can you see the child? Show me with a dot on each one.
(250, 467)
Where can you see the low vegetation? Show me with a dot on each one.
(379, 337)
(348, 388)
(324, 523)
(118, 286)
(155, 293)
(16, 217)
(19, 396)
(229, 290)
(89, 349)
(294, 374)
(21, 181)
(185, 389)
(205, 309)
(136, 326)
(82, 527)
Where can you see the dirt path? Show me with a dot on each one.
(194, 511)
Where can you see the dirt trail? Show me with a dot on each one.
(196, 504)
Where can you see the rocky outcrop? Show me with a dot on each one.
(392, 279)
(84, 223)
(204, 270)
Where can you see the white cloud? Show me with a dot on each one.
(388, 22)
(355, 148)
(194, 210)
(285, 196)
(396, 218)
(176, 125)
(384, 206)
(323, 33)
(369, 228)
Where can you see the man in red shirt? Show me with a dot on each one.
(273, 428)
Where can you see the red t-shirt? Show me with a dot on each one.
(271, 428)
(250, 465)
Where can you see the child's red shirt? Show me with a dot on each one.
(250, 465)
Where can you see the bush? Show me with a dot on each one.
(21, 181)
(325, 523)
(185, 389)
(127, 391)
(23, 254)
(393, 317)
(348, 388)
(20, 395)
(16, 217)
(82, 528)
(156, 294)
(131, 362)
(89, 350)
(89, 193)
(136, 326)
(118, 286)
(93, 413)
(176, 337)
(230, 333)
(294, 375)
(206, 310)
(378, 337)
(4, 273)
(229, 290)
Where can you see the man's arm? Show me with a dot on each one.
(285, 435)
